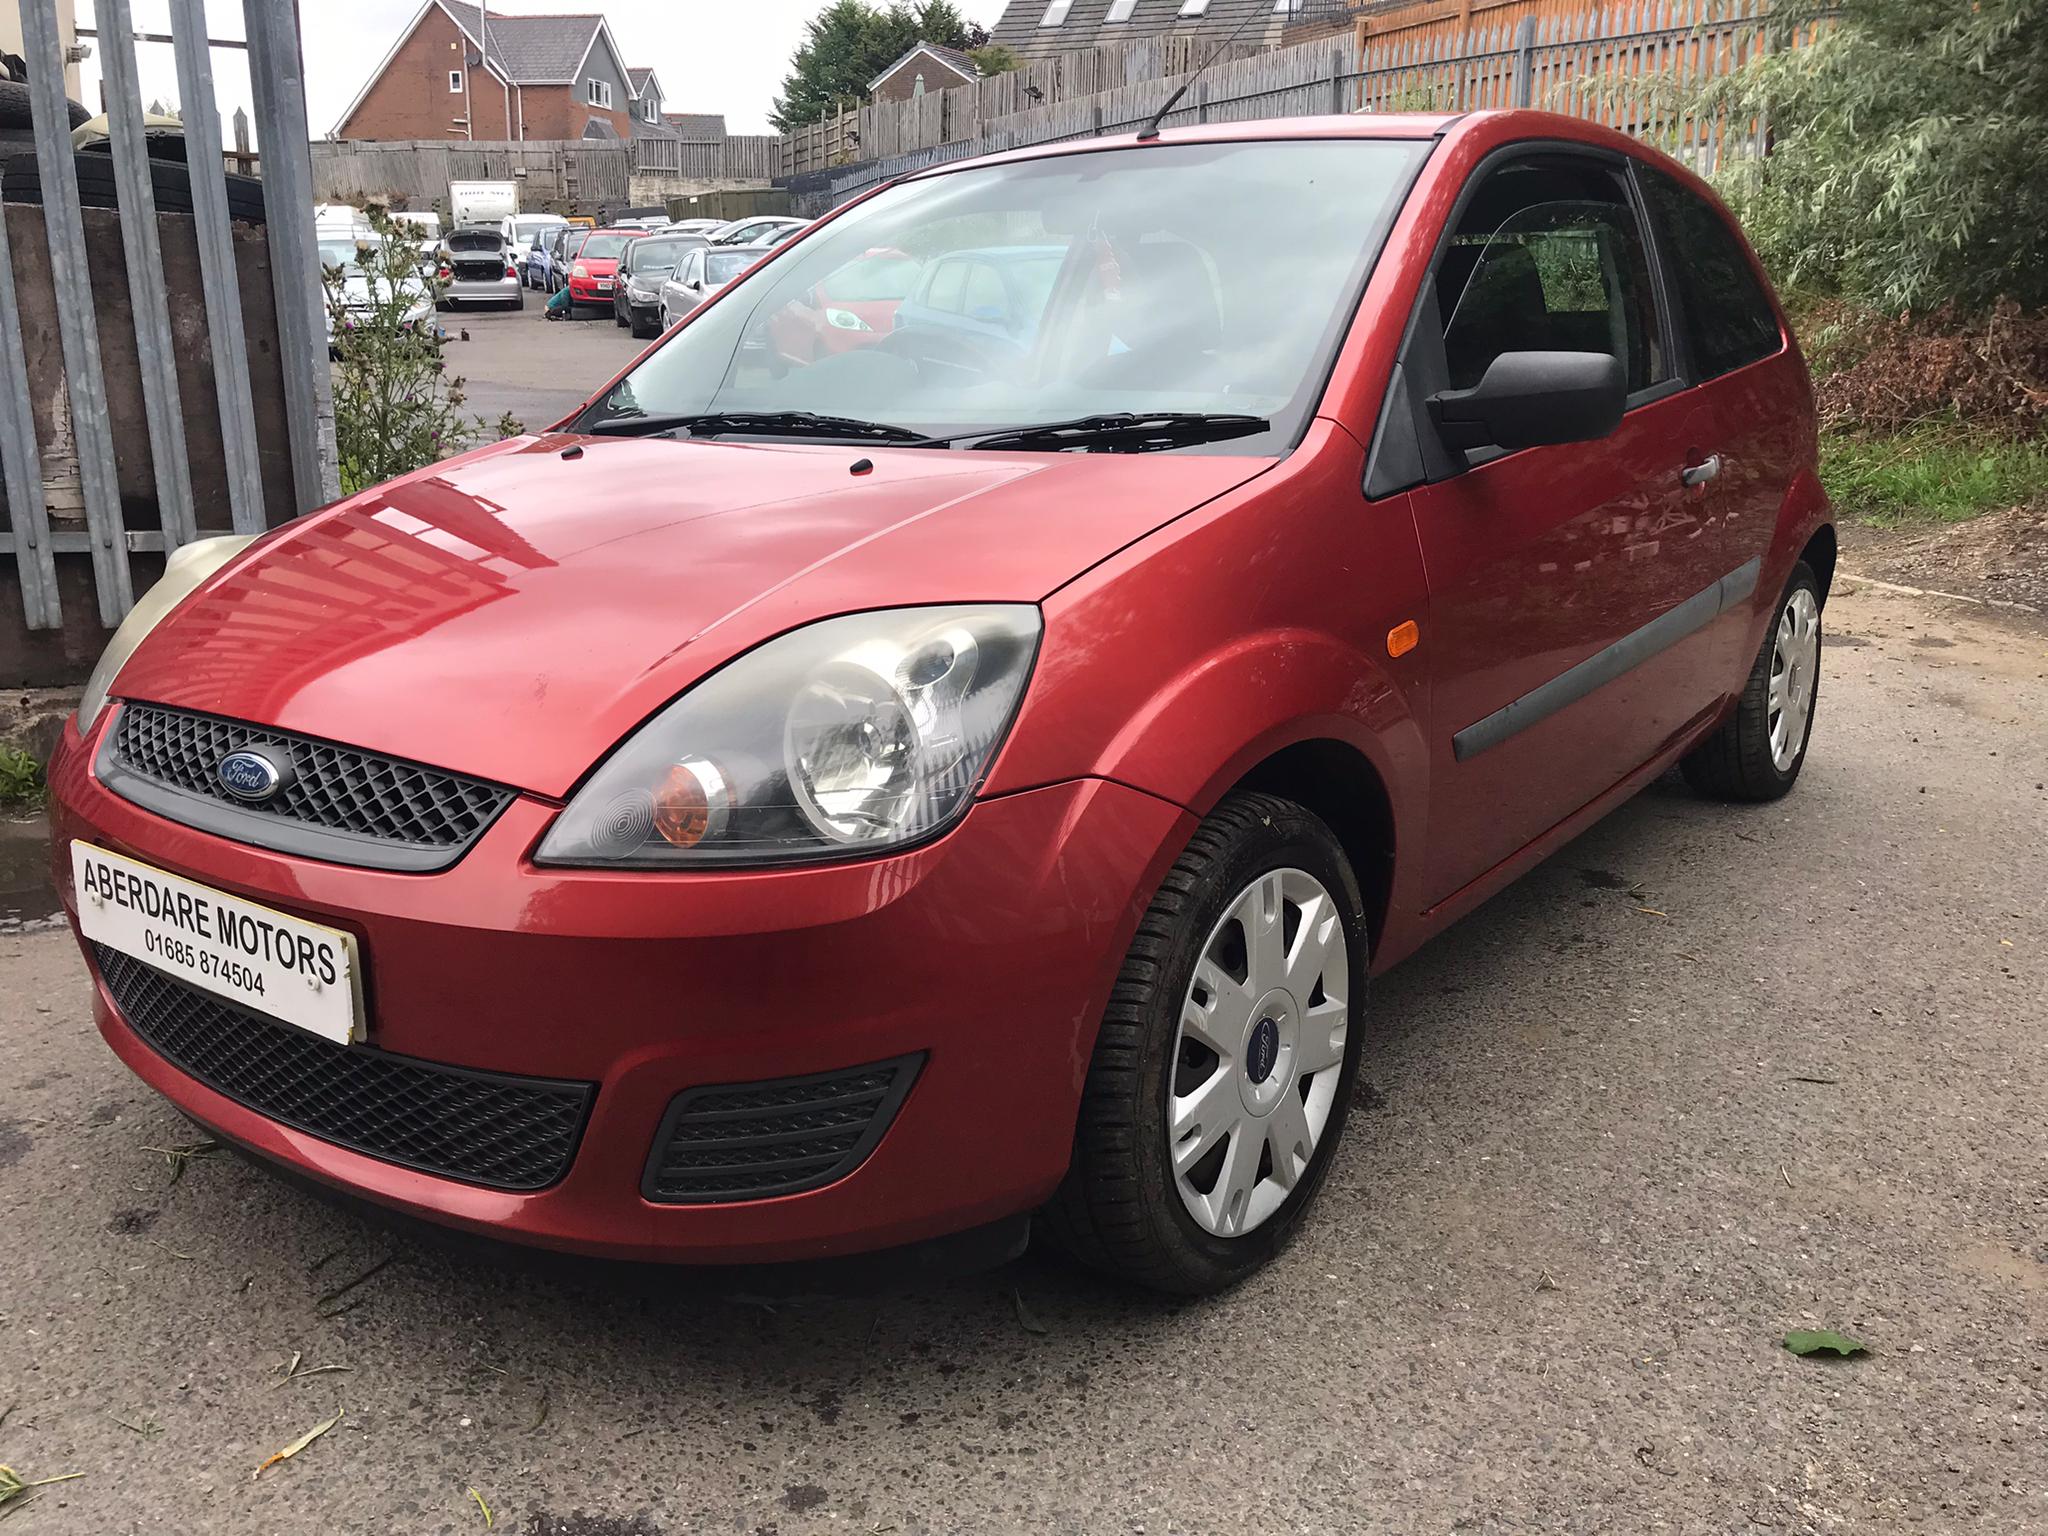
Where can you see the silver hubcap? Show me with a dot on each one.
(1795, 672)
(1259, 1051)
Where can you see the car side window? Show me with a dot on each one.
(693, 269)
(1728, 317)
(987, 300)
(948, 285)
(1549, 258)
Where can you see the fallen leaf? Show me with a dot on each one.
(1811, 1341)
(1025, 1320)
(299, 1444)
(480, 1504)
(1653, 912)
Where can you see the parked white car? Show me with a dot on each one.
(362, 292)
(519, 231)
(702, 274)
(757, 231)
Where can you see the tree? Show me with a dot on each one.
(1906, 161)
(995, 59)
(850, 42)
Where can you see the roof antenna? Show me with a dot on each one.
(1151, 129)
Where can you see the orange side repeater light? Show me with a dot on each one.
(1403, 638)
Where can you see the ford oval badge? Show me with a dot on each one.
(253, 774)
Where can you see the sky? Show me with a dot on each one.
(712, 55)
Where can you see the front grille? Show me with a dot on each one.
(749, 1141)
(342, 804)
(479, 1127)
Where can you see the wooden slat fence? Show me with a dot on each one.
(744, 157)
(1627, 65)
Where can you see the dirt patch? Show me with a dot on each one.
(1999, 557)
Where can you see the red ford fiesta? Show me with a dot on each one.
(796, 810)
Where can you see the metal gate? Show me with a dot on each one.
(278, 78)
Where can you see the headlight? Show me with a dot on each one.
(188, 566)
(579, 270)
(846, 320)
(853, 736)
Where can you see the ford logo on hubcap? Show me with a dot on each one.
(1264, 1051)
(253, 774)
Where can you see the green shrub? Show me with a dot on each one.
(1907, 150)
(396, 409)
(21, 778)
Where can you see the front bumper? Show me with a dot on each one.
(991, 952)
(590, 290)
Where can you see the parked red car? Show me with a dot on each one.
(595, 269)
(793, 812)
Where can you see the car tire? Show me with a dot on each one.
(1757, 752)
(1124, 1208)
(16, 111)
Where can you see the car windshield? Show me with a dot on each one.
(657, 256)
(877, 280)
(724, 266)
(1052, 289)
(346, 252)
(604, 247)
(527, 228)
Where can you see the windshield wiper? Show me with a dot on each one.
(766, 423)
(1123, 432)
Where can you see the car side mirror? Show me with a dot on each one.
(1530, 399)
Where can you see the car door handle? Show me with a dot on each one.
(1699, 474)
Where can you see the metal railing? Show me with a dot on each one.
(172, 420)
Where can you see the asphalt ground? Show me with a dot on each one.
(1706, 1076)
(535, 369)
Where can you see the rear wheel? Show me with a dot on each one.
(1758, 751)
(1220, 1081)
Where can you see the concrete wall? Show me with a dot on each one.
(67, 34)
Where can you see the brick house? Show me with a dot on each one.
(926, 64)
(459, 72)
(1037, 29)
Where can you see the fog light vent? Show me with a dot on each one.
(750, 1141)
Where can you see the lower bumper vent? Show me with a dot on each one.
(750, 1141)
(478, 1127)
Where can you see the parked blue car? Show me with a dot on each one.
(992, 298)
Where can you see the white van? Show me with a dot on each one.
(519, 231)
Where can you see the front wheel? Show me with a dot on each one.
(1758, 751)
(1224, 1069)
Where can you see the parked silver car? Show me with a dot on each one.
(479, 269)
(758, 231)
(702, 274)
(647, 264)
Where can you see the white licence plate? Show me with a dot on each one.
(273, 964)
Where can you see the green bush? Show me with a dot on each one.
(396, 409)
(1907, 161)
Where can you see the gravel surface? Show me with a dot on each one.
(2001, 557)
(1706, 1076)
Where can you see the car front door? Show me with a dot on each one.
(1572, 586)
